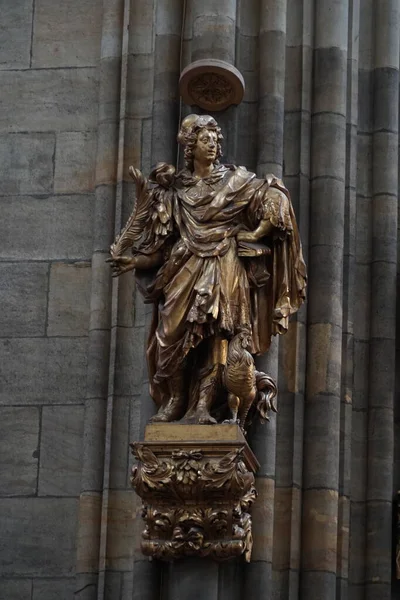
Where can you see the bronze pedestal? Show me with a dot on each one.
(197, 486)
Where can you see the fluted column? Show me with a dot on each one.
(383, 299)
(272, 42)
(292, 346)
(325, 313)
(349, 250)
(90, 504)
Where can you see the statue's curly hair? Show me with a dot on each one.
(189, 131)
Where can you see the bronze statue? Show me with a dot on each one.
(217, 251)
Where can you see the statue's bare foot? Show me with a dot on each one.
(172, 411)
(231, 422)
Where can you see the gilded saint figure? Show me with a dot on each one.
(217, 252)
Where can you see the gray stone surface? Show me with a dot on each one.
(38, 537)
(23, 299)
(42, 370)
(15, 589)
(75, 162)
(69, 299)
(15, 34)
(52, 589)
(27, 163)
(52, 227)
(19, 450)
(66, 35)
(60, 451)
(48, 99)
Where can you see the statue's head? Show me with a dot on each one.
(201, 138)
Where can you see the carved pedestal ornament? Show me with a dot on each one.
(197, 492)
(216, 251)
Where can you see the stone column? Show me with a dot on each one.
(349, 249)
(383, 300)
(361, 303)
(292, 346)
(272, 44)
(325, 314)
(88, 544)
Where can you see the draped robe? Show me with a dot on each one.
(205, 288)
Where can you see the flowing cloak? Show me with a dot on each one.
(205, 289)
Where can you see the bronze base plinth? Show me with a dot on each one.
(197, 487)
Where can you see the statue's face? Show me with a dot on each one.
(205, 150)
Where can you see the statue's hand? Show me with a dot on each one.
(121, 264)
(246, 236)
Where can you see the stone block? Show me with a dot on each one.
(270, 126)
(87, 553)
(19, 439)
(120, 451)
(318, 586)
(140, 84)
(363, 248)
(120, 541)
(66, 34)
(358, 536)
(23, 299)
(169, 17)
(385, 170)
(15, 589)
(326, 272)
(248, 18)
(15, 34)
(328, 153)
(69, 299)
(319, 540)
(54, 227)
(330, 73)
(359, 452)
(379, 531)
(262, 515)
(49, 100)
(130, 356)
(331, 25)
(75, 162)
(380, 455)
(381, 373)
(321, 443)
(61, 451)
(184, 573)
(365, 101)
(214, 37)
(247, 49)
(38, 537)
(141, 38)
(287, 527)
(42, 370)
(361, 373)
(327, 217)
(49, 589)
(257, 579)
(26, 163)
(387, 20)
(383, 301)
(230, 576)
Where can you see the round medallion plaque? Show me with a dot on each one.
(211, 84)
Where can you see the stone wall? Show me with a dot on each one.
(90, 87)
(49, 72)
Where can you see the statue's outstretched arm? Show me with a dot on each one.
(123, 264)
